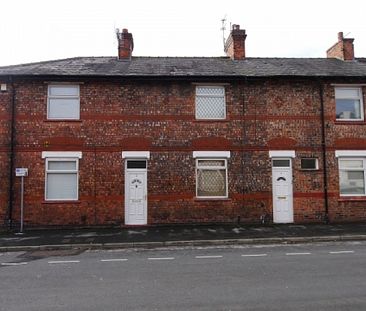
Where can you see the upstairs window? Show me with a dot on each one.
(349, 105)
(63, 102)
(210, 102)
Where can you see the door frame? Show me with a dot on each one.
(135, 156)
(291, 194)
(279, 155)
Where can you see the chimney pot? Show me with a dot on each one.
(340, 36)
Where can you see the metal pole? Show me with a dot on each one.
(22, 205)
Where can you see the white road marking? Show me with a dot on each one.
(342, 252)
(208, 257)
(296, 254)
(254, 255)
(161, 258)
(113, 260)
(63, 261)
(13, 263)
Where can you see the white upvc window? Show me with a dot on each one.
(352, 172)
(349, 104)
(62, 176)
(211, 178)
(210, 102)
(63, 102)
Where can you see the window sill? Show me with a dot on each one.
(349, 122)
(211, 120)
(352, 199)
(62, 120)
(61, 202)
(211, 199)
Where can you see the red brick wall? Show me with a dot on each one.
(160, 118)
(5, 100)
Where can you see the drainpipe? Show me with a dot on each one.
(242, 94)
(9, 216)
(324, 151)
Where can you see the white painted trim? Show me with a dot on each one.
(136, 154)
(62, 154)
(282, 154)
(211, 154)
(348, 85)
(350, 153)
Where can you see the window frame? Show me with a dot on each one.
(225, 167)
(210, 96)
(75, 171)
(49, 97)
(310, 169)
(359, 97)
(363, 169)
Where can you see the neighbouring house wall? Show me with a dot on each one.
(160, 117)
(5, 116)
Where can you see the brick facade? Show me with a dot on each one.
(263, 115)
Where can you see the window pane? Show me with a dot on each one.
(210, 107)
(61, 186)
(136, 164)
(62, 165)
(211, 163)
(352, 182)
(67, 108)
(347, 92)
(60, 90)
(211, 183)
(348, 109)
(207, 90)
(308, 164)
(281, 163)
(351, 163)
(210, 102)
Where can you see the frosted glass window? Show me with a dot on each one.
(211, 178)
(61, 179)
(210, 102)
(352, 177)
(61, 187)
(63, 102)
(349, 105)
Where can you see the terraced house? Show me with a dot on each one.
(153, 140)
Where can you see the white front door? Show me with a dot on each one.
(136, 193)
(282, 191)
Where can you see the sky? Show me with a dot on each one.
(41, 30)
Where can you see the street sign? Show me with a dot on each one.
(21, 172)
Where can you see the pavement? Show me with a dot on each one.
(178, 236)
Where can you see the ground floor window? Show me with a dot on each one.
(62, 179)
(211, 178)
(352, 176)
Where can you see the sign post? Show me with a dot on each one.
(21, 172)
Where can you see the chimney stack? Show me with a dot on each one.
(235, 43)
(343, 49)
(125, 44)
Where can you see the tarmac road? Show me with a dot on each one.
(318, 276)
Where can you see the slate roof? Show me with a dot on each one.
(190, 67)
